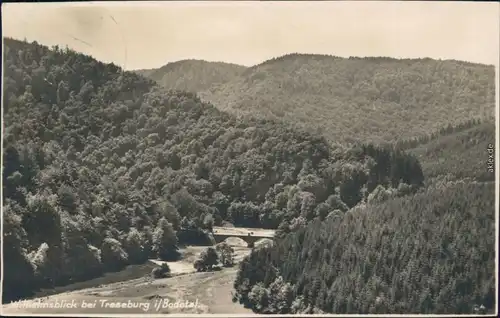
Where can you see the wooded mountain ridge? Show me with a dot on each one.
(117, 169)
(193, 75)
(372, 99)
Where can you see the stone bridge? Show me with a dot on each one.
(249, 235)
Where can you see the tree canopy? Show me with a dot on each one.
(116, 169)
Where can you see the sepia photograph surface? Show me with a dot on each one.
(249, 158)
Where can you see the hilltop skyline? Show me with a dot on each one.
(250, 33)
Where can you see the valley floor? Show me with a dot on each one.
(208, 292)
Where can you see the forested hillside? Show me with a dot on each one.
(102, 169)
(458, 153)
(361, 99)
(432, 252)
(193, 75)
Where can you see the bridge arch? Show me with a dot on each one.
(250, 240)
(248, 235)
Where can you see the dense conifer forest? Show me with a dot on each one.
(115, 170)
(430, 252)
(459, 154)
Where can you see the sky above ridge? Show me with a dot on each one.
(141, 35)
